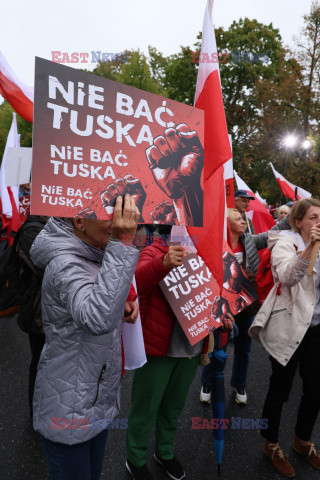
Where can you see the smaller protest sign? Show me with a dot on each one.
(189, 290)
(24, 207)
(195, 299)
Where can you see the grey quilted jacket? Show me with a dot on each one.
(83, 294)
(251, 245)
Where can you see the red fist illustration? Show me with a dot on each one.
(176, 161)
(164, 213)
(121, 186)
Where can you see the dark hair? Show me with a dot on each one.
(164, 229)
(299, 210)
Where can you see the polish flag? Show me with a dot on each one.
(256, 211)
(229, 183)
(19, 95)
(289, 189)
(257, 194)
(209, 239)
(9, 196)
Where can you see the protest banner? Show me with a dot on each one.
(95, 139)
(24, 207)
(194, 295)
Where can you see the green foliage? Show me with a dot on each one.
(132, 68)
(180, 76)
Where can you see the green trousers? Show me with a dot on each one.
(158, 395)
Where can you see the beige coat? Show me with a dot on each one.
(284, 319)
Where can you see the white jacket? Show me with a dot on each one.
(284, 319)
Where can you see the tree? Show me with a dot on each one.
(131, 68)
(308, 54)
(268, 92)
(180, 76)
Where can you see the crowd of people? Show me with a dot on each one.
(76, 280)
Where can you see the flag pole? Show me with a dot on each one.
(313, 257)
(248, 224)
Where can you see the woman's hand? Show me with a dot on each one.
(226, 323)
(315, 234)
(125, 221)
(131, 310)
(174, 257)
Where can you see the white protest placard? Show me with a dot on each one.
(18, 166)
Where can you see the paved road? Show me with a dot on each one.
(21, 457)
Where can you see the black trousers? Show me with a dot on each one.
(307, 357)
(36, 341)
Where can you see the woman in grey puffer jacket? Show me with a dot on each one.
(84, 293)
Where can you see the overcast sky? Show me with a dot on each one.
(37, 27)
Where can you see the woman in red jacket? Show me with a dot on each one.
(160, 387)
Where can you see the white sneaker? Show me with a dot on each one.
(241, 396)
(205, 395)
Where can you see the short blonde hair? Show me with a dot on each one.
(284, 208)
(299, 210)
(231, 214)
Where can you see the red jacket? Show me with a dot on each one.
(157, 318)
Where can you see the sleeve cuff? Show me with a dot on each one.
(303, 261)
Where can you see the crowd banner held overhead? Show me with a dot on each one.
(261, 218)
(19, 95)
(217, 151)
(95, 139)
(289, 189)
(194, 294)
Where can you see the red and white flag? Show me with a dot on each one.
(257, 194)
(9, 196)
(256, 211)
(19, 95)
(289, 190)
(209, 239)
(229, 183)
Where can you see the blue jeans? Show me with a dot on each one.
(82, 461)
(242, 350)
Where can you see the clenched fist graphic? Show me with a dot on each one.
(164, 213)
(121, 186)
(176, 162)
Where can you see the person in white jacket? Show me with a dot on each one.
(288, 326)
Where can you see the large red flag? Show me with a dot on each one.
(289, 189)
(209, 239)
(19, 95)
(256, 211)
